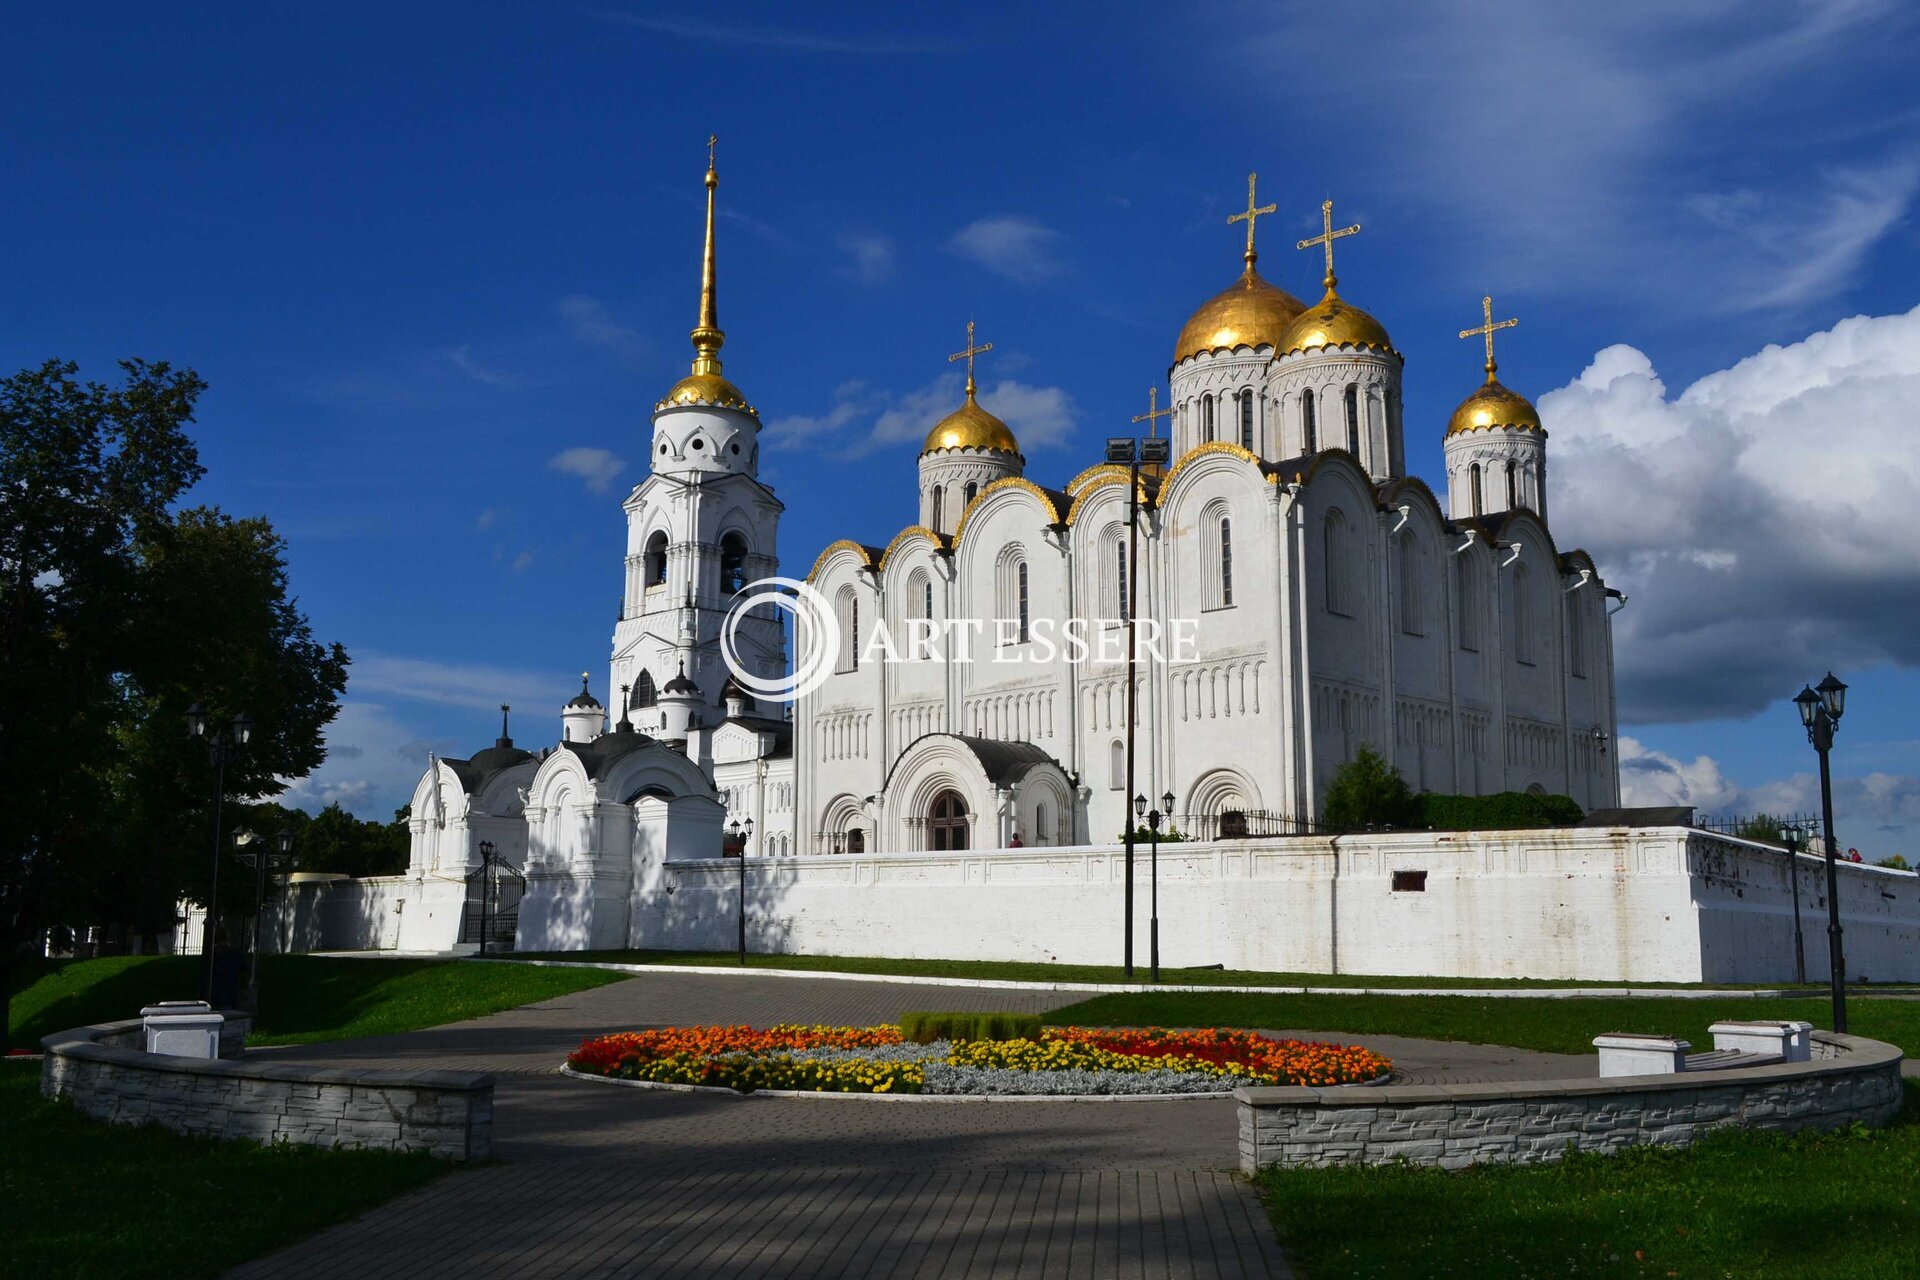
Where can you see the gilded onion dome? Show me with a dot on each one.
(1248, 313)
(971, 427)
(704, 385)
(1493, 405)
(1333, 322)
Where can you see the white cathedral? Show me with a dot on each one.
(1327, 601)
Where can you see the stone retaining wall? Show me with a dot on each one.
(104, 1072)
(1453, 1126)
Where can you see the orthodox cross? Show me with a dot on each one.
(1252, 215)
(1327, 236)
(968, 355)
(711, 139)
(1153, 412)
(1487, 328)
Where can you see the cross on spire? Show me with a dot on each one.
(1487, 328)
(1153, 412)
(1253, 214)
(1327, 236)
(968, 355)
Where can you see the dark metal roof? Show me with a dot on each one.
(596, 756)
(1676, 815)
(585, 700)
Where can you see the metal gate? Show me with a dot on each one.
(492, 914)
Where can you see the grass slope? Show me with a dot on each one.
(1752, 1205)
(302, 998)
(1040, 971)
(85, 1199)
(1551, 1026)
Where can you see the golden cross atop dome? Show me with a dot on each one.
(968, 355)
(1153, 411)
(711, 139)
(1252, 215)
(1327, 236)
(1487, 327)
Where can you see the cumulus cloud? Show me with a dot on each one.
(597, 467)
(870, 255)
(476, 686)
(1879, 813)
(372, 762)
(1018, 248)
(1761, 521)
(863, 419)
(588, 319)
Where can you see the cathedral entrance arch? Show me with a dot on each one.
(947, 822)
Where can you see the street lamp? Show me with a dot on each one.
(221, 748)
(1790, 833)
(261, 860)
(1820, 713)
(1153, 818)
(1131, 453)
(741, 833)
(489, 885)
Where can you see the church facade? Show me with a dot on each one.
(1294, 595)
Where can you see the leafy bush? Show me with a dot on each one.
(1368, 792)
(924, 1028)
(1896, 863)
(1503, 812)
(1143, 834)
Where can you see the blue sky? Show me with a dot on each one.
(438, 261)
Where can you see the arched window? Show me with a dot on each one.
(1353, 420)
(1226, 562)
(926, 598)
(1117, 766)
(939, 516)
(973, 491)
(1042, 832)
(846, 611)
(1513, 486)
(856, 840)
(1206, 419)
(1407, 561)
(1010, 604)
(1123, 580)
(947, 822)
(1473, 487)
(644, 693)
(1309, 428)
(1522, 614)
(656, 569)
(1466, 594)
(1026, 612)
(733, 563)
(1334, 562)
(919, 594)
(1246, 420)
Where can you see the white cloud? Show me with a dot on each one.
(523, 562)
(1018, 248)
(597, 467)
(1762, 521)
(454, 684)
(589, 321)
(863, 419)
(487, 519)
(373, 760)
(764, 37)
(462, 358)
(870, 255)
(1879, 813)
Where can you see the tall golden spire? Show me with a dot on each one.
(973, 349)
(707, 337)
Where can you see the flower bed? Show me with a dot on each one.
(1064, 1060)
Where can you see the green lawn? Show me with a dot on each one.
(84, 1199)
(1040, 971)
(1737, 1204)
(1552, 1026)
(302, 998)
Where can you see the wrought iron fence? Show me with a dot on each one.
(1764, 827)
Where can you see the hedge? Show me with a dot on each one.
(924, 1028)
(1502, 812)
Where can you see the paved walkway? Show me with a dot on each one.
(594, 1180)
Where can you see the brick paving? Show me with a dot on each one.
(600, 1181)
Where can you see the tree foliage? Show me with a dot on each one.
(1366, 791)
(1762, 828)
(1502, 811)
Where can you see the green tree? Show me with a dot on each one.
(1762, 828)
(1368, 792)
(1895, 863)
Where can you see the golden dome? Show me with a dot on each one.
(1492, 405)
(1247, 313)
(971, 427)
(1332, 322)
(707, 389)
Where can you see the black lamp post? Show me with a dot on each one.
(489, 884)
(221, 748)
(741, 833)
(261, 860)
(1153, 817)
(1791, 835)
(1820, 710)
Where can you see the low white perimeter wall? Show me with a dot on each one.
(1642, 905)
